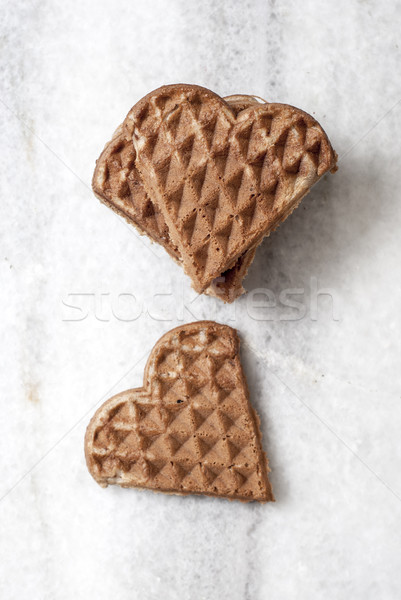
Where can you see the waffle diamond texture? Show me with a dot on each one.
(223, 181)
(118, 184)
(191, 428)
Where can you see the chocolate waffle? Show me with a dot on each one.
(117, 183)
(190, 429)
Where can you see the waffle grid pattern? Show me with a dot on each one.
(194, 433)
(223, 182)
(118, 183)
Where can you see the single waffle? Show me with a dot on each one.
(117, 183)
(190, 429)
(223, 179)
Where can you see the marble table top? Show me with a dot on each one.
(84, 297)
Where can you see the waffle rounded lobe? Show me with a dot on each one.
(223, 180)
(190, 429)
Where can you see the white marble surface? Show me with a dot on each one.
(327, 389)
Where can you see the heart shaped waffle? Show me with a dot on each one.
(191, 429)
(223, 181)
(118, 184)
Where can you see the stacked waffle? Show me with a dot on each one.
(208, 178)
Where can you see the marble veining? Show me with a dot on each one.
(84, 297)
